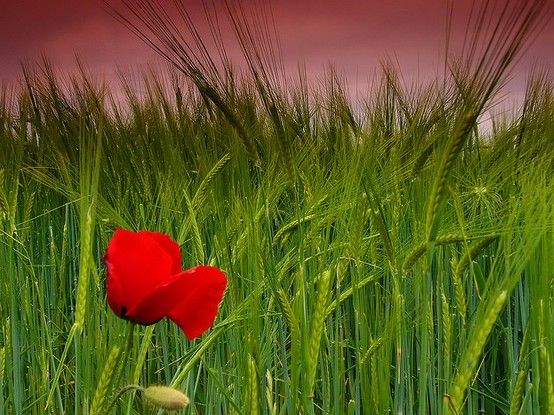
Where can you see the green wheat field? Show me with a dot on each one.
(385, 255)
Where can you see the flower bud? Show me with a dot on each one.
(165, 397)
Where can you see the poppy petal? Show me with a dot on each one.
(137, 263)
(191, 299)
(144, 283)
(156, 303)
(197, 309)
(168, 245)
(114, 291)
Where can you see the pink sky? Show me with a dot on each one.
(354, 35)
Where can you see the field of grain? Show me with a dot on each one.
(384, 256)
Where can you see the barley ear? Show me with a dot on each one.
(253, 404)
(546, 383)
(84, 271)
(104, 382)
(420, 249)
(200, 194)
(2, 361)
(290, 318)
(446, 321)
(519, 386)
(451, 152)
(458, 269)
(316, 330)
(472, 354)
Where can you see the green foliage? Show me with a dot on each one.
(388, 258)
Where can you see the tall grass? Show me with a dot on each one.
(385, 259)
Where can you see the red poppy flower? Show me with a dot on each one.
(145, 283)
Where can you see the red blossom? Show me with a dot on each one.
(144, 283)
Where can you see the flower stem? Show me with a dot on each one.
(120, 393)
(124, 358)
